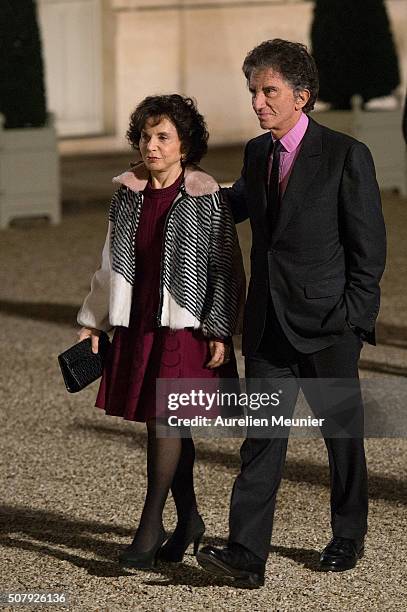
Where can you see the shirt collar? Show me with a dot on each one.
(292, 139)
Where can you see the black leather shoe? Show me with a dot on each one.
(234, 561)
(142, 560)
(341, 554)
(174, 549)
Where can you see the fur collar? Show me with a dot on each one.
(197, 182)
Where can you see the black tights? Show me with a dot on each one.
(170, 464)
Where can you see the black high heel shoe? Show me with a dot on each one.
(143, 560)
(174, 549)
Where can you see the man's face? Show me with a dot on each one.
(273, 101)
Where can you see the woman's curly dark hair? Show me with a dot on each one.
(183, 113)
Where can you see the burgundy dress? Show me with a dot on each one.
(143, 352)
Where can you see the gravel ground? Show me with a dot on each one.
(73, 480)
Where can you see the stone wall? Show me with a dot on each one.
(196, 47)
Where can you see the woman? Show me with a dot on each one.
(171, 282)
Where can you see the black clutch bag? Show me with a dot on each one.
(79, 366)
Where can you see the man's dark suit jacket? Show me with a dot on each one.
(323, 260)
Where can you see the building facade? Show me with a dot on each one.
(103, 56)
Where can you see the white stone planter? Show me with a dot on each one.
(29, 173)
(381, 131)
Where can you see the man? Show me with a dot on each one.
(318, 253)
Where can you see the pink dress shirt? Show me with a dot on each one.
(291, 143)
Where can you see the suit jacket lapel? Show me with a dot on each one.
(303, 172)
(261, 161)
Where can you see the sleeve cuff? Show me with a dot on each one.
(227, 340)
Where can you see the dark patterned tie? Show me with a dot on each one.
(273, 201)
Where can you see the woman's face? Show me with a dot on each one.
(160, 146)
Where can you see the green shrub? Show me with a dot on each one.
(22, 90)
(354, 50)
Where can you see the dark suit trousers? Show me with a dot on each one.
(262, 459)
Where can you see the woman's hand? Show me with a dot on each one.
(219, 352)
(93, 334)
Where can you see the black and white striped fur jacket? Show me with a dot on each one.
(202, 282)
